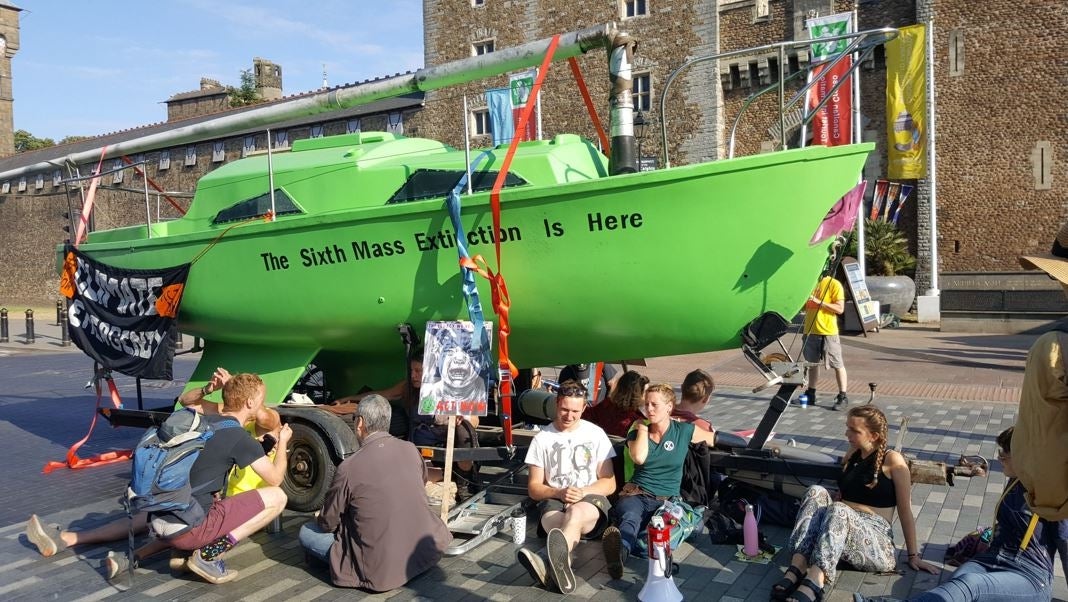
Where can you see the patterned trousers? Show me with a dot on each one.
(827, 531)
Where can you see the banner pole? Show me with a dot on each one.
(858, 137)
(931, 158)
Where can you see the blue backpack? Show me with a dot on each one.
(162, 462)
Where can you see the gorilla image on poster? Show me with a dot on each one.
(454, 373)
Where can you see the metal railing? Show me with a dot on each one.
(862, 42)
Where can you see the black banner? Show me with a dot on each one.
(124, 319)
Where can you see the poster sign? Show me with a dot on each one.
(125, 320)
(833, 124)
(906, 103)
(858, 291)
(455, 373)
(521, 85)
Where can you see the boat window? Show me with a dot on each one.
(437, 183)
(257, 207)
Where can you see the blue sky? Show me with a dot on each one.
(89, 68)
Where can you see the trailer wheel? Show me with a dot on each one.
(310, 469)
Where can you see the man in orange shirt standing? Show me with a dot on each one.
(821, 342)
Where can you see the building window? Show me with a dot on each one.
(956, 52)
(249, 146)
(38, 182)
(641, 94)
(116, 177)
(634, 8)
(164, 160)
(480, 123)
(57, 177)
(353, 126)
(218, 152)
(483, 47)
(761, 12)
(281, 139)
(22, 184)
(190, 156)
(395, 123)
(478, 2)
(317, 131)
(5, 187)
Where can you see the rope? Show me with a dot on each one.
(72, 460)
(589, 102)
(479, 343)
(151, 183)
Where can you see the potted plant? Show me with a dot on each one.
(887, 259)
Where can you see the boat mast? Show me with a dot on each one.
(473, 68)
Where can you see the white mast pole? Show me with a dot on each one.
(931, 158)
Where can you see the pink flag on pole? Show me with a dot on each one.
(842, 216)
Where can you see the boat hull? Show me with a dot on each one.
(639, 265)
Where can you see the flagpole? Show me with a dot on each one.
(857, 138)
(537, 101)
(467, 147)
(931, 156)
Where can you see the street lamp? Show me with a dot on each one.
(641, 126)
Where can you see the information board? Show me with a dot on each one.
(857, 291)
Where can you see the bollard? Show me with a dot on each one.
(3, 325)
(275, 526)
(30, 339)
(59, 313)
(64, 336)
(178, 342)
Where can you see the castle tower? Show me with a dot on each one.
(9, 45)
(268, 78)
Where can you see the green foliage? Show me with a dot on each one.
(70, 139)
(886, 250)
(25, 141)
(247, 94)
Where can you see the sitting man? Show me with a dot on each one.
(697, 389)
(376, 530)
(227, 520)
(570, 475)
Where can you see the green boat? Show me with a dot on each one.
(597, 266)
(599, 263)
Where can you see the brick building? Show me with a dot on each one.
(999, 77)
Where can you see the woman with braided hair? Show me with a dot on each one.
(856, 528)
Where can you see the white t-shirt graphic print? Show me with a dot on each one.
(570, 459)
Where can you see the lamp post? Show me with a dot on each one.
(640, 127)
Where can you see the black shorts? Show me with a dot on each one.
(598, 501)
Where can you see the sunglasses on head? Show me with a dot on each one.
(572, 391)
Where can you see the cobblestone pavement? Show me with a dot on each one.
(958, 407)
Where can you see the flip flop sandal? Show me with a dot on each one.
(799, 596)
(785, 586)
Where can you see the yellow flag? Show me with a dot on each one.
(906, 104)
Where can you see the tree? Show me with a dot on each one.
(71, 139)
(247, 94)
(25, 141)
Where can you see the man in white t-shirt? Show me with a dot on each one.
(570, 475)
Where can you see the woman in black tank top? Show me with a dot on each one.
(856, 529)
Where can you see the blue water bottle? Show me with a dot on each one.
(802, 400)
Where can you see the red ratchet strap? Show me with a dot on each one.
(501, 303)
(589, 102)
(155, 186)
(73, 462)
(598, 369)
(90, 196)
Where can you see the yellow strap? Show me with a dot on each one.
(1030, 526)
(1030, 532)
